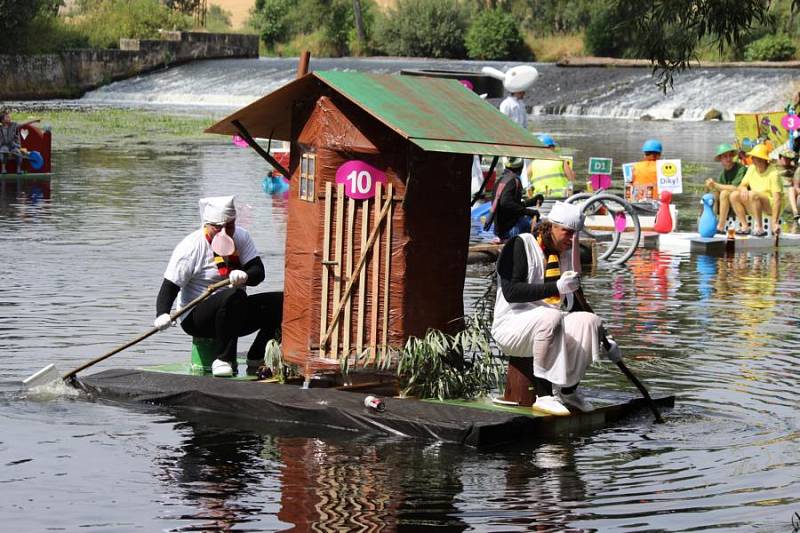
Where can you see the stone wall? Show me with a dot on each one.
(71, 73)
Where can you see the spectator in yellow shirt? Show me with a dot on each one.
(760, 191)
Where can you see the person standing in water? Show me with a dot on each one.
(220, 250)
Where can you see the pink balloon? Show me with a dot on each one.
(222, 244)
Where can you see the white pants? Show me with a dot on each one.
(562, 345)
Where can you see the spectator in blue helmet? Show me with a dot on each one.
(644, 183)
(552, 178)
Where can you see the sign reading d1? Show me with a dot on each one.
(600, 165)
(668, 173)
(359, 179)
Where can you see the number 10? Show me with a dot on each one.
(360, 182)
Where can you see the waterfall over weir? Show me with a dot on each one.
(618, 92)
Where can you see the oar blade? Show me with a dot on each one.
(44, 376)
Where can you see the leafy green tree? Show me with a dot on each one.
(218, 20)
(16, 16)
(669, 32)
(494, 34)
(423, 28)
(270, 19)
(770, 48)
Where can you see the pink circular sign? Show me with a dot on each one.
(359, 179)
(790, 122)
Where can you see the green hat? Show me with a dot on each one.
(723, 149)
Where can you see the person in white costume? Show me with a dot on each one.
(516, 81)
(220, 250)
(536, 282)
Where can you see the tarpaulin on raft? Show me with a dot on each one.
(332, 408)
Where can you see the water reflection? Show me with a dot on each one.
(19, 194)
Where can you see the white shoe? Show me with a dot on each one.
(550, 405)
(221, 369)
(576, 400)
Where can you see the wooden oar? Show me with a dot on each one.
(580, 300)
(41, 377)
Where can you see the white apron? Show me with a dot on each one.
(575, 344)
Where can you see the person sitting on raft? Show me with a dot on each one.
(728, 181)
(645, 180)
(760, 190)
(535, 289)
(553, 178)
(10, 141)
(216, 251)
(511, 214)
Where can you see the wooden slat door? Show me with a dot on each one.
(354, 310)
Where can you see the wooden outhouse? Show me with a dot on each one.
(379, 205)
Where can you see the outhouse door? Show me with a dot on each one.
(355, 270)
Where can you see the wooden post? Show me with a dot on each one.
(326, 250)
(302, 66)
(337, 269)
(374, 293)
(519, 381)
(362, 279)
(348, 306)
(386, 271)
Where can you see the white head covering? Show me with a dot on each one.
(567, 215)
(520, 78)
(217, 210)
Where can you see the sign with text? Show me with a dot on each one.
(627, 172)
(600, 165)
(790, 122)
(668, 173)
(359, 179)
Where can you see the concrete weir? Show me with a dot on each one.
(71, 73)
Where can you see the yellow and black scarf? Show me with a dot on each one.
(552, 270)
(224, 265)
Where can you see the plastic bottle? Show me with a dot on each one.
(373, 402)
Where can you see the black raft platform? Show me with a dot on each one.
(474, 423)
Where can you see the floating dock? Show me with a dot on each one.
(477, 423)
(693, 242)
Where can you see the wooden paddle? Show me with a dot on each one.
(580, 300)
(478, 194)
(34, 379)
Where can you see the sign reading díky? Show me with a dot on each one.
(600, 165)
(668, 173)
(359, 179)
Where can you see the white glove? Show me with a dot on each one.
(162, 322)
(614, 354)
(237, 277)
(569, 282)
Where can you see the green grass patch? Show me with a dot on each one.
(99, 124)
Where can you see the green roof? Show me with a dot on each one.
(438, 115)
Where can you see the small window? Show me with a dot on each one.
(308, 165)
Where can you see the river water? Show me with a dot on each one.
(85, 251)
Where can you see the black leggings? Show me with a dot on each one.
(231, 313)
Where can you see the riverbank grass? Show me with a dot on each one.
(96, 124)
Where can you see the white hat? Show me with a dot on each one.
(520, 78)
(567, 215)
(217, 210)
